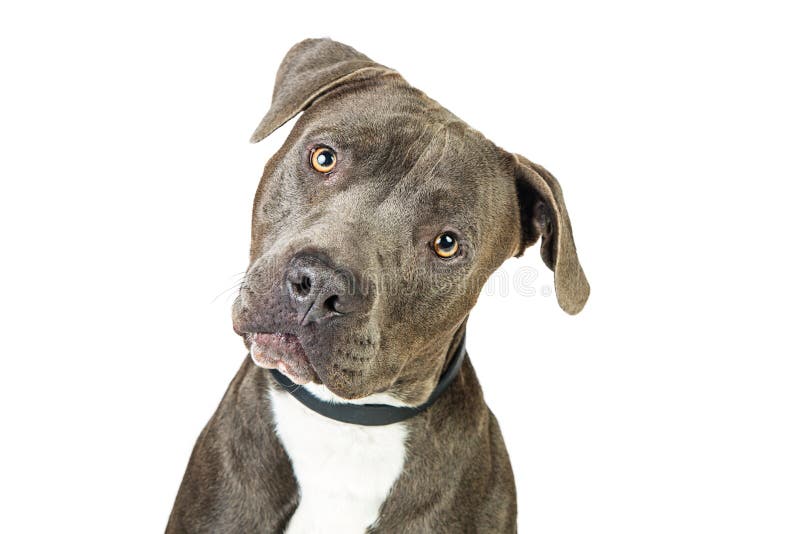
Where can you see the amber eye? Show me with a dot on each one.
(323, 159)
(445, 245)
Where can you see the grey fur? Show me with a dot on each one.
(407, 169)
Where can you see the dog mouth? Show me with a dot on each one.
(283, 352)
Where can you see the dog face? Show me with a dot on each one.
(376, 225)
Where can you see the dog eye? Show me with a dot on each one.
(323, 159)
(445, 245)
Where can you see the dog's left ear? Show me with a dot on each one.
(310, 69)
(543, 213)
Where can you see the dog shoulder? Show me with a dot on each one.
(239, 477)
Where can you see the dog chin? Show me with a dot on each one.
(300, 379)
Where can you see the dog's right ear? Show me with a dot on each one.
(311, 68)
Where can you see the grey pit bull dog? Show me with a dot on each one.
(374, 228)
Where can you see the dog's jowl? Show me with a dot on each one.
(374, 228)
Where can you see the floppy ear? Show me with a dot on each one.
(311, 68)
(543, 213)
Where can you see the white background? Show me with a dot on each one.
(671, 404)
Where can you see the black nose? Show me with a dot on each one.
(319, 291)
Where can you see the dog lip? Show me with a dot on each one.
(271, 338)
(284, 352)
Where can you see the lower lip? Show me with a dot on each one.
(283, 352)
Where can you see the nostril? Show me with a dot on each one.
(303, 287)
(333, 304)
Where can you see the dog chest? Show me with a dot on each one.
(344, 471)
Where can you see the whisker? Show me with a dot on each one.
(240, 280)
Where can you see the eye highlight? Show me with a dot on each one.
(323, 159)
(445, 245)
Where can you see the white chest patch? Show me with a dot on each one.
(344, 471)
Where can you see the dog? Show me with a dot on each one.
(374, 228)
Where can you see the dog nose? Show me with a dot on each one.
(319, 291)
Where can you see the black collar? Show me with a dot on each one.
(372, 414)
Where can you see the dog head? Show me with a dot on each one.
(376, 225)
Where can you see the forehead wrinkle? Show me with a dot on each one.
(425, 182)
(415, 176)
(437, 146)
(414, 143)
